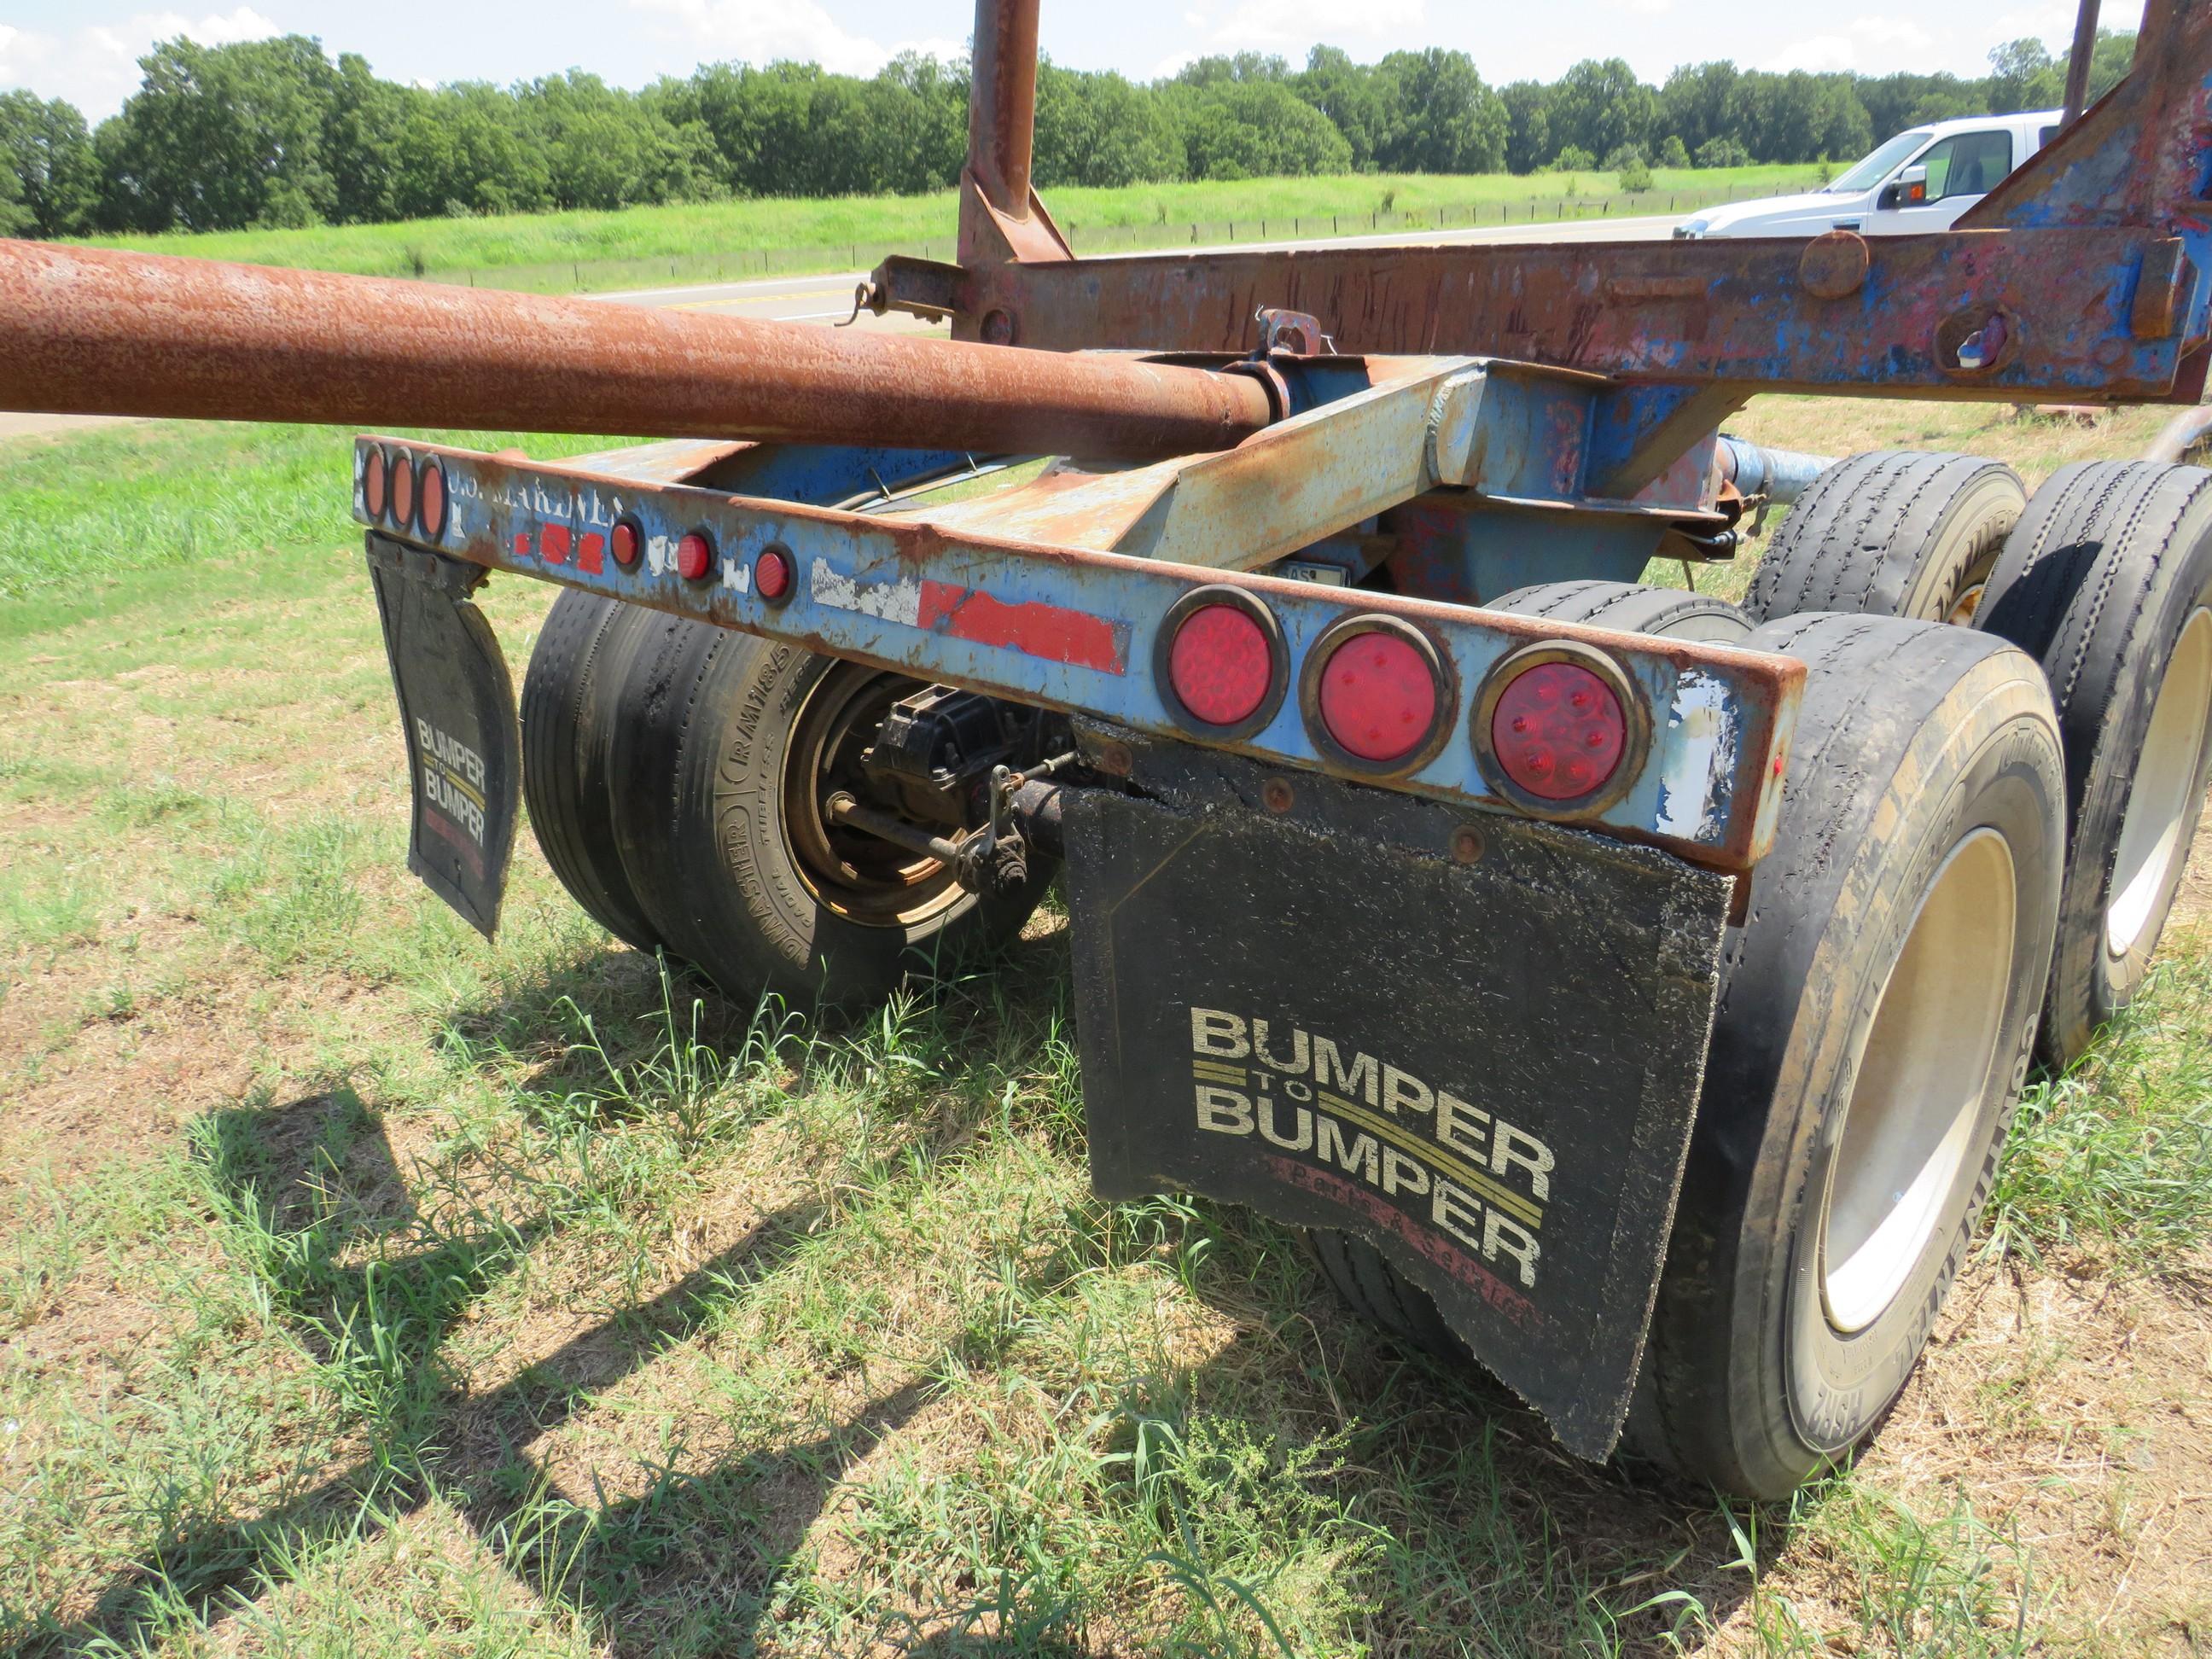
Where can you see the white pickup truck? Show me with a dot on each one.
(1920, 180)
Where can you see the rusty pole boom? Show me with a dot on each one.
(95, 332)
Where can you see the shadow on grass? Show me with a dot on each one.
(1492, 1534)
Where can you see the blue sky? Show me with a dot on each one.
(86, 50)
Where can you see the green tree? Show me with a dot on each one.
(2023, 76)
(46, 166)
(220, 137)
(1349, 96)
(1441, 118)
(1100, 129)
(1599, 106)
(464, 150)
(1256, 129)
(1694, 103)
(1528, 135)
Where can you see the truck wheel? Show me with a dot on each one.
(1895, 533)
(1674, 612)
(1358, 1273)
(735, 744)
(1876, 1017)
(576, 671)
(2108, 580)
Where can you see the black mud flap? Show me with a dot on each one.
(457, 709)
(1475, 1042)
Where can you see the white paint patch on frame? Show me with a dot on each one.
(1701, 744)
(898, 601)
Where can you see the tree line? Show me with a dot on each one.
(274, 133)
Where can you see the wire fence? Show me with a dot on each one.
(735, 265)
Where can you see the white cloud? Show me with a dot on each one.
(1651, 7)
(1848, 50)
(96, 67)
(763, 31)
(1276, 24)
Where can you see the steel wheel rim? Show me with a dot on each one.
(1918, 1087)
(2150, 846)
(866, 880)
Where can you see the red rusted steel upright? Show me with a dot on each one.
(1002, 104)
(1000, 218)
(98, 332)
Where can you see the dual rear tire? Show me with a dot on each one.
(2105, 577)
(1876, 1009)
(675, 774)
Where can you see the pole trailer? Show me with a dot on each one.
(1628, 986)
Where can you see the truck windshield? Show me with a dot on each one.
(1871, 172)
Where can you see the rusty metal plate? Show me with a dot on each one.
(1488, 1069)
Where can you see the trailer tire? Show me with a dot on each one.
(755, 899)
(576, 671)
(2108, 580)
(1892, 533)
(1670, 613)
(1861, 1077)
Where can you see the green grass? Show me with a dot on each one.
(370, 1289)
(698, 242)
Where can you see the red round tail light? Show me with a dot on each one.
(772, 573)
(1558, 731)
(1377, 694)
(1220, 664)
(694, 557)
(373, 480)
(403, 491)
(431, 486)
(623, 543)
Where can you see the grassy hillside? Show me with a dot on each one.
(704, 241)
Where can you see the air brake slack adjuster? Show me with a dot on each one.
(993, 861)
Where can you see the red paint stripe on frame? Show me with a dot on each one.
(1050, 632)
(587, 555)
(553, 542)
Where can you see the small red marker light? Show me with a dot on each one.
(772, 573)
(624, 543)
(432, 489)
(373, 481)
(1378, 697)
(694, 557)
(1558, 732)
(403, 492)
(1220, 664)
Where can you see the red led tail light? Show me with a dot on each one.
(1560, 729)
(1378, 695)
(1220, 662)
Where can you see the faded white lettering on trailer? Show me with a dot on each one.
(737, 575)
(660, 554)
(1701, 746)
(898, 601)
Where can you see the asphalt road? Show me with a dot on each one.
(829, 299)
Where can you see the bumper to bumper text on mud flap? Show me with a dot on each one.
(1474, 1041)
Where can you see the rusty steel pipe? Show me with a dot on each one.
(1002, 103)
(97, 332)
